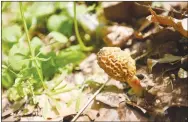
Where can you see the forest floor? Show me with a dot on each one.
(48, 74)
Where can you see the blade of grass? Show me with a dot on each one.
(62, 87)
(61, 91)
(78, 101)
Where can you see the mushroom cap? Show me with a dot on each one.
(117, 63)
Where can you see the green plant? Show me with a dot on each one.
(27, 70)
(32, 56)
(32, 67)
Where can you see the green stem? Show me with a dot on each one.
(62, 87)
(39, 71)
(25, 28)
(77, 33)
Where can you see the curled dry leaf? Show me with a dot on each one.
(179, 25)
(146, 29)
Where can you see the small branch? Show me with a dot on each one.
(89, 101)
(161, 9)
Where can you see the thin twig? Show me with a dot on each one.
(89, 101)
(160, 9)
(141, 56)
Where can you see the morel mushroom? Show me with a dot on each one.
(119, 65)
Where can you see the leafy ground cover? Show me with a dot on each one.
(50, 68)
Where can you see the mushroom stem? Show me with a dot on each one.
(135, 85)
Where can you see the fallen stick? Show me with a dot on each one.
(89, 101)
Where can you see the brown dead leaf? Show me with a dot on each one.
(118, 35)
(174, 5)
(83, 118)
(91, 113)
(134, 105)
(117, 11)
(107, 115)
(35, 118)
(110, 98)
(28, 109)
(15, 107)
(89, 64)
(165, 95)
(125, 11)
(11, 119)
(116, 83)
(5, 103)
(126, 113)
(169, 21)
(146, 28)
(177, 113)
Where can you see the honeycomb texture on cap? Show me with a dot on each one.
(117, 63)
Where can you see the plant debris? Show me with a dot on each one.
(179, 25)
